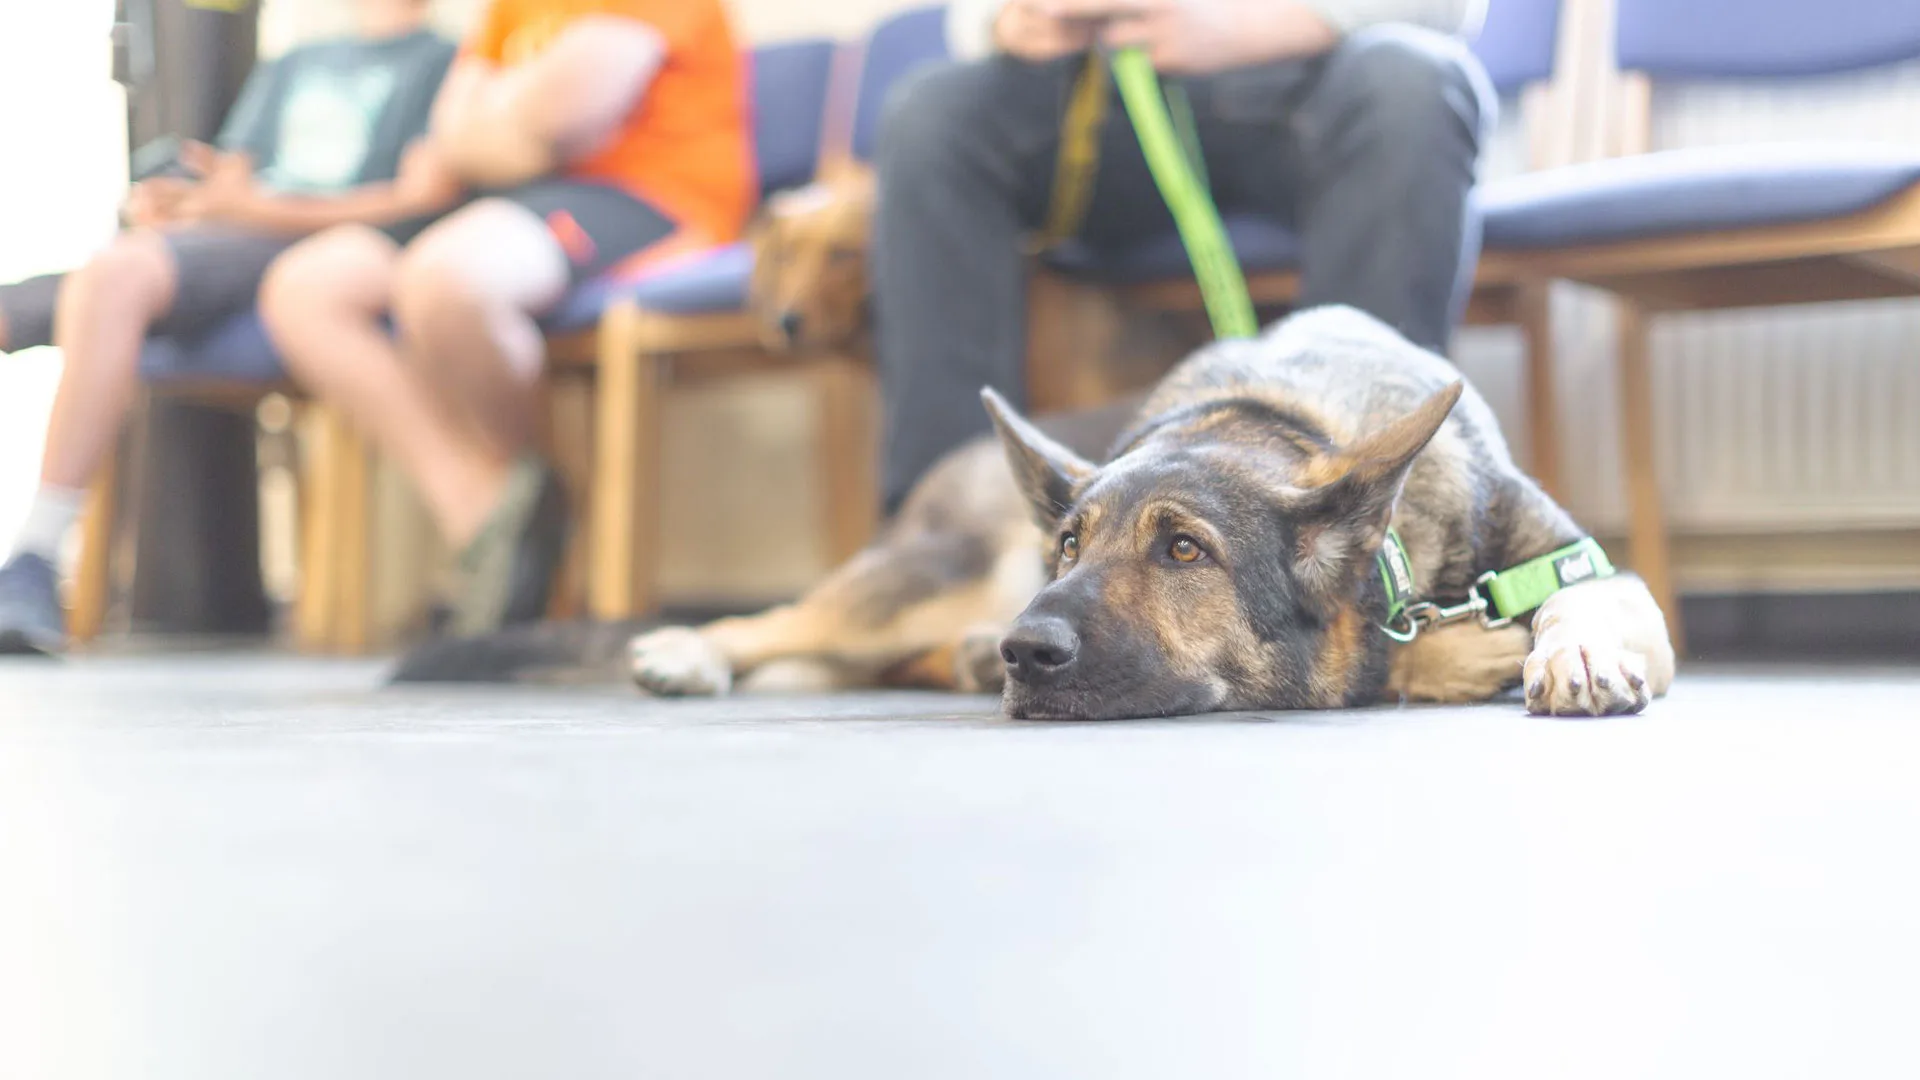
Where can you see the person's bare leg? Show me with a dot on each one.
(465, 298)
(323, 302)
(101, 319)
(106, 309)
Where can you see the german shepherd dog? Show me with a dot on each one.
(1222, 556)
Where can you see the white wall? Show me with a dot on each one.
(284, 21)
(62, 164)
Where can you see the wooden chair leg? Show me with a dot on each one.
(1647, 523)
(1543, 399)
(93, 579)
(847, 452)
(570, 448)
(1072, 330)
(352, 631)
(626, 481)
(316, 609)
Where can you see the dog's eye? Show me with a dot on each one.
(1069, 548)
(1184, 549)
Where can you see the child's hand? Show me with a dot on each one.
(426, 180)
(156, 202)
(226, 189)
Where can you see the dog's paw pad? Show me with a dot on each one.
(1585, 680)
(978, 667)
(678, 662)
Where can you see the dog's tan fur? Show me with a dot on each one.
(1282, 462)
(809, 285)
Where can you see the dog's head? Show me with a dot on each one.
(1224, 560)
(809, 285)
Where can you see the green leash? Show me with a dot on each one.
(1170, 139)
(1162, 119)
(1173, 157)
(1498, 598)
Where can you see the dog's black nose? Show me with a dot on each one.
(1039, 647)
(790, 325)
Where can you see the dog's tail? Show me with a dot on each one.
(568, 652)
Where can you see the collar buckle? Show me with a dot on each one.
(1425, 613)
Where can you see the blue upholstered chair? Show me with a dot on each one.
(234, 363)
(1723, 227)
(692, 323)
(626, 334)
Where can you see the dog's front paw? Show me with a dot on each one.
(678, 662)
(1585, 680)
(978, 667)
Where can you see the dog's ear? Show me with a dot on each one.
(1046, 471)
(1343, 515)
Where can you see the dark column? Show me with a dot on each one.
(195, 487)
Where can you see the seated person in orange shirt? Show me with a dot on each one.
(590, 133)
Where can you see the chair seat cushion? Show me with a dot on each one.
(709, 282)
(1262, 245)
(1694, 190)
(236, 350)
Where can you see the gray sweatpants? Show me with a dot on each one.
(1367, 154)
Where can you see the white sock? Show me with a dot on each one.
(49, 517)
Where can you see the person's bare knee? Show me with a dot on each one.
(345, 272)
(135, 273)
(433, 295)
(493, 251)
(489, 268)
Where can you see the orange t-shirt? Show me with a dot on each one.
(686, 149)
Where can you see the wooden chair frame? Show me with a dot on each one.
(1870, 255)
(331, 611)
(635, 353)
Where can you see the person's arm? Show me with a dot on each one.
(507, 125)
(1220, 33)
(1447, 16)
(371, 204)
(228, 195)
(481, 147)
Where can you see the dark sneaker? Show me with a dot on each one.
(510, 567)
(31, 621)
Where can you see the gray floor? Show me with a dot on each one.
(259, 868)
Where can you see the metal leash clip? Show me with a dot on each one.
(1426, 613)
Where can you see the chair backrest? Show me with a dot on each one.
(908, 40)
(1706, 39)
(789, 109)
(1517, 42)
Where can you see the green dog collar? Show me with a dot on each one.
(1396, 573)
(1496, 599)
